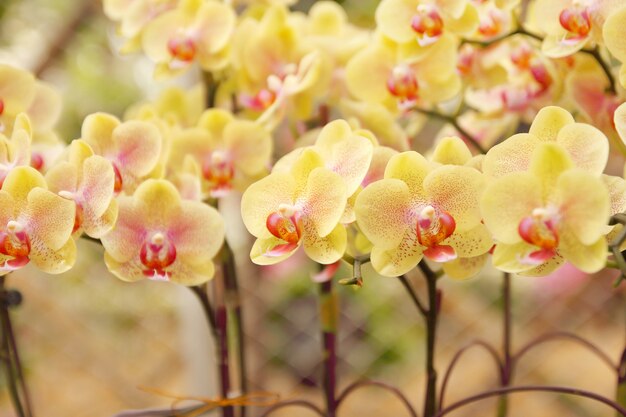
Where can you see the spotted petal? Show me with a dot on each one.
(50, 217)
(399, 260)
(53, 261)
(263, 198)
(328, 249)
(382, 212)
(549, 121)
(323, 200)
(456, 189)
(501, 213)
(198, 233)
(585, 205)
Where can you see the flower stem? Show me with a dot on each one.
(621, 381)
(203, 297)
(411, 291)
(454, 122)
(430, 401)
(595, 53)
(519, 31)
(532, 388)
(329, 310)
(234, 301)
(507, 366)
(221, 321)
(10, 355)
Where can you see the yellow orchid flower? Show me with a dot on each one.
(512, 78)
(36, 224)
(161, 237)
(328, 29)
(89, 181)
(176, 106)
(341, 149)
(230, 152)
(614, 34)
(381, 73)
(588, 87)
(451, 150)
(557, 212)
(495, 19)
(587, 146)
(275, 71)
(195, 31)
(346, 152)
(132, 147)
(299, 206)
(17, 91)
(284, 90)
(21, 93)
(133, 16)
(425, 21)
(17, 150)
(619, 120)
(570, 25)
(421, 209)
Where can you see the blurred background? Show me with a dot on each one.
(89, 341)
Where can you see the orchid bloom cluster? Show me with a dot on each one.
(315, 124)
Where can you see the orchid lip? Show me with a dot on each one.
(433, 227)
(156, 254)
(540, 228)
(284, 223)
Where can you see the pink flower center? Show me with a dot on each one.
(14, 242)
(541, 75)
(219, 171)
(156, 254)
(540, 229)
(78, 213)
(432, 229)
(260, 101)
(402, 83)
(428, 24)
(465, 61)
(575, 19)
(284, 224)
(182, 48)
(118, 184)
(36, 161)
(78, 217)
(492, 23)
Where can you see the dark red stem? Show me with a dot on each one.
(457, 356)
(531, 388)
(393, 390)
(328, 315)
(430, 401)
(234, 300)
(221, 320)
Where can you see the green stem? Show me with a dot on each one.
(329, 316)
